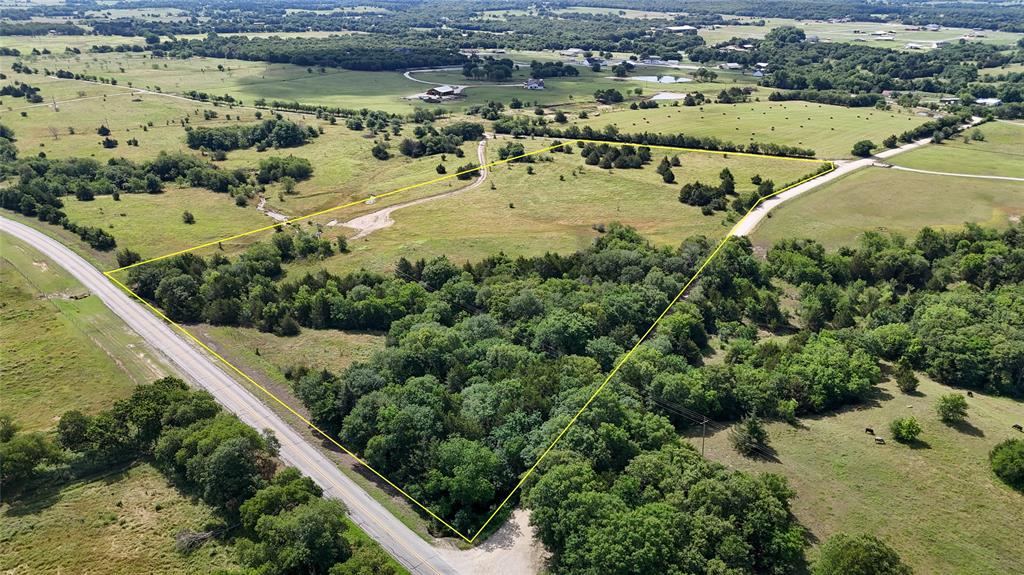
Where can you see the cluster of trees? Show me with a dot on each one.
(488, 68)
(272, 133)
(608, 96)
(22, 90)
(701, 194)
(609, 156)
(552, 69)
(447, 140)
(966, 336)
(277, 518)
(276, 168)
(830, 97)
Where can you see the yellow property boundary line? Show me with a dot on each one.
(600, 388)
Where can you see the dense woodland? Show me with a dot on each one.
(486, 362)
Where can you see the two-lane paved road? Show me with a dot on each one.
(414, 553)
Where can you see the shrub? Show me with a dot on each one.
(1007, 460)
(952, 408)
(906, 380)
(749, 436)
(844, 554)
(863, 148)
(905, 429)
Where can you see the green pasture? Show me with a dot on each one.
(61, 347)
(1001, 153)
(937, 503)
(553, 209)
(878, 199)
(830, 131)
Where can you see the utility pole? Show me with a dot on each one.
(703, 433)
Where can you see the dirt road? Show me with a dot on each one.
(369, 223)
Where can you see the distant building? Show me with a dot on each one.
(731, 66)
(949, 100)
(939, 43)
(812, 39)
(912, 46)
(593, 60)
(572, 52)
(761, 65)
(682, 29)
(534, 84)
(758, 74)
(442, 91)
(988, 101)
(933, 27)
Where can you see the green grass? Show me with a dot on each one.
(829, 130)
(553, 210)
(61, 348)
(940, 505)
(1000, 154)
(844, 32)
(119, 524)
(152, 224)
(877, 199)
(317, 349)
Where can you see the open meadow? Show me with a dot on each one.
(878, 199)
(61, 347)
(860, 33)
(556, 208)
(1001, 153)
(120, 523)
(830, 131)
(937, 503)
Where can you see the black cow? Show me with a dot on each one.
(1018, 427)
(869, 430)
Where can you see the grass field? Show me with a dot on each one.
(1000, 154)
(152, 224)
(829, 130)
(839, 212)
(61, 347)
(845, 32)
(317, 349)
(118, 524)
(939, 505)
(553, 210)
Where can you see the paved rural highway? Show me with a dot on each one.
(414, 553)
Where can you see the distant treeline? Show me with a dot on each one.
(527, 126)
(356, 52)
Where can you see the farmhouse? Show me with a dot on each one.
(948, 100)
(572, 52)
(731, 66)
(988, 101)
(534, 84)
(442, 91)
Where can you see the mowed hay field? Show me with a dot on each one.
(830, 131)
(553, 209)
(1001, 153)
(938, 503)
(61, 347)
(123, 523)
(886, 200)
